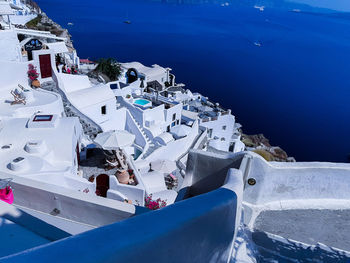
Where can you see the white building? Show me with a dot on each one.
(222, 131)
(43, 148)
(221, 125)
(97, 102)
(135, 70)
(5, 12)
(37, 47)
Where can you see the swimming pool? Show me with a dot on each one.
(141, 102)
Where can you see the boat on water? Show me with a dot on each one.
(258, 44)
(127, 21)
(260, 8)
(70, 24)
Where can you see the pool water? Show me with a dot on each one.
(141, 102)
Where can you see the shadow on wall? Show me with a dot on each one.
(207, 171)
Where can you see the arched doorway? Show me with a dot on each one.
(131, 75)
(33, 44)
(172, 79)
(102, 185)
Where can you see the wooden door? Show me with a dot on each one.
(45, 66)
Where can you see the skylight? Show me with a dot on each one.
(43, 118)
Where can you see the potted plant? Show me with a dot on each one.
(123, 176)
(33, 76)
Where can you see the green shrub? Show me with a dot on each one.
(110, 67)
(34, 22)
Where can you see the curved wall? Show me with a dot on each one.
(293, 181)
(199, 229)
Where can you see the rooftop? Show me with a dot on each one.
(29, 147)
(33, 99)
(147, 71)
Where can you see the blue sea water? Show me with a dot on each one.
(285, 74)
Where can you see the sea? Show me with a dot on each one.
(282, 67)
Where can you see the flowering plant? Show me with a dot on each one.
(32, 73)
(154, 204)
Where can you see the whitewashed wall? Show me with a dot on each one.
(176, 109)
(296, 181)
(9, 46)
(219, 132)
(13, 73)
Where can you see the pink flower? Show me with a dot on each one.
(32, 73)
(154, 204)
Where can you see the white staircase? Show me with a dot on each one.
(149, 144)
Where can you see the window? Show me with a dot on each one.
(224, 127)
(174, 116)
(173, 124)
(43, 118)
(114, 86)
(178, 122)
(103, 110)
(168, 128)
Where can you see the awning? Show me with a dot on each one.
(13, 6)
(114, 139)
(163, 166)
(37, 33)
(58, 47)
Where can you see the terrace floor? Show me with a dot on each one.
(330, 227)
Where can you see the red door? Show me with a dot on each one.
(45, 66)
(102, 185)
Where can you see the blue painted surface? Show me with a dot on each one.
(294, 87)
(199, 229)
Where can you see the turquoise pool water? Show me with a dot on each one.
(141, 102)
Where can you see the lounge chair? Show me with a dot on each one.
(21, 87)
(18, 98)
(111, 163)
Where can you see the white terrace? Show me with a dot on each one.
(15, 74)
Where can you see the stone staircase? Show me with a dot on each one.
(90, 128)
